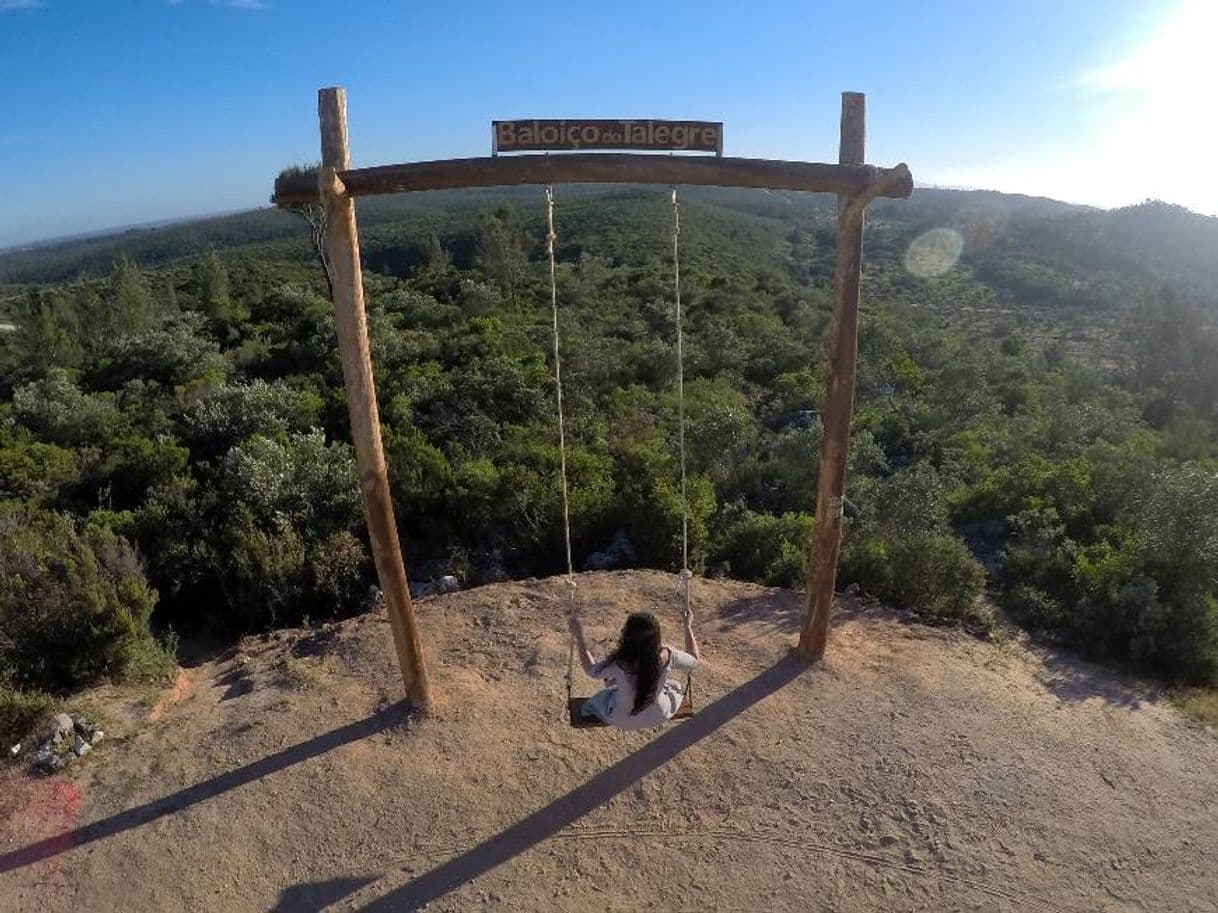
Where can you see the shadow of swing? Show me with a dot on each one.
(315, 896)
(208, 789)
(548, 821)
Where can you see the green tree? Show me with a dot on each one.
(214, 297)
(130, 306)
(501, 252)
(47, 334)
(314, 216)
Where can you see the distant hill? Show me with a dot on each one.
(1027, 249)
(1057, 272)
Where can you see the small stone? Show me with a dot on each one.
(15, 750)
(96, 735)
(80, 724)
(80, 747)
(61, 724)
(47, 761)
(887, 840)
(852, 590)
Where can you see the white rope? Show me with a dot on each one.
(686, 574)
(562, 435)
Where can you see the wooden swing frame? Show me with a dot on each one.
(336, 186)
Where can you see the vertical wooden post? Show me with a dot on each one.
(342, 250)
(839, 399)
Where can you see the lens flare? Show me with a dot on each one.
(934, 252)
(980, 225)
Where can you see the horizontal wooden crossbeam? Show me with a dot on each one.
(605, 168)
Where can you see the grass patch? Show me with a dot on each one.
(150, 659)
(1200, 704)
(298, 674)
(21, 713)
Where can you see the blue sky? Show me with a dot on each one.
(124, 111)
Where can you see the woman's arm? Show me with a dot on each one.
(691, 642)
(581, 645)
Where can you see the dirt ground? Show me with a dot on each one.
(916, 769)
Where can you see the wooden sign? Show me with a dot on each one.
(574, 135)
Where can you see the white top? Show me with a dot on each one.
(669, 693)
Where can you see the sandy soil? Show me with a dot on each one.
(916, 769)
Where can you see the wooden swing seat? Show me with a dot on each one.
(575, 706)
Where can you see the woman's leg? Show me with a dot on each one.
(600, 705)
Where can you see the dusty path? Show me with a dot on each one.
(916, 770)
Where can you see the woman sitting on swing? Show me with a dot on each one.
(640, 692)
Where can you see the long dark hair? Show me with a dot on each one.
(638, 654)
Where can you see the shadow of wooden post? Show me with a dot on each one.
(200, 792)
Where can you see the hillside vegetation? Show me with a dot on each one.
(1036, 414)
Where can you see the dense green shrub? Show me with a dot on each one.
(74, 605)
(276, 540)
(58, 411)
(130, 468)
(649, 508)
(302, 478)
(932, 573)
(177, 354)
(1142, 590)
(1035, 608)
(769, 549)
(233, 412)
(35, 472)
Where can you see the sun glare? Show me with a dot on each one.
(1168, 83)
(1176, 62)
(1158, 95)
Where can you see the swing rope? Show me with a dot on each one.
(686, 574)
(562, 431)
(683, 579)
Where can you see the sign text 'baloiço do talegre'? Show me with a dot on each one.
(572, 135)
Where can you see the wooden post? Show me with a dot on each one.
(342, 250)
(839, 399)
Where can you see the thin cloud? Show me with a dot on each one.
(231, 4)
(9, 5)
(241, 4)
